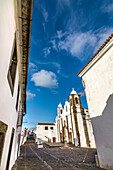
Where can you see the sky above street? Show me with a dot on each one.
(65, 34)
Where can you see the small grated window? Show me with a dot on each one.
(51, 128)
(46, 127)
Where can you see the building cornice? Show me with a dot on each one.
(23, 34)
(46, 124)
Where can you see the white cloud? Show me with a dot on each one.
(63, 75)
(78, 43)
(107, 8)
(60, 34)
(58, 71)
(32, 67)
(54, 44)
(46, 51)
(102, 35)
(45, 14)
(57, 65)
(44, 26)
(54, 91)
(82, 93)
(62, 3)
(52, 64)
(30, 95)
(45, 78)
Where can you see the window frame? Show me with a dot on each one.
(76, 100)
(46, 127)
(12, 65)
(52, 128)
(3, 130)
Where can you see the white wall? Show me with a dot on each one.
(8, 112)
(45, 135)
(90, 129)
(99, 92)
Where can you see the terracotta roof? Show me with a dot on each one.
(107, 40)
(46, 124)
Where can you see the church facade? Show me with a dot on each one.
(73, 123)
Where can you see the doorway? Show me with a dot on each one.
(54, 139)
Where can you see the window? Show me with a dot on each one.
(51, 128)
(12, 68)
(66, 108)
(76, 100)
(17, 98)
(1, 143)
(3, 129)
(46, 127)
(61, 111)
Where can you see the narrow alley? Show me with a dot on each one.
(55, 158)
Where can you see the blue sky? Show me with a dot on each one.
(65, 35)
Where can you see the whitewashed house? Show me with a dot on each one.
(45, 132)
(97, 77)
(15, 29)
(73, 123)
(24, 135)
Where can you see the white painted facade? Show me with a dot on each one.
(97, 78)
(70, 124)
(24, 135)
(45, 132)
(89, 129)
(11, 104)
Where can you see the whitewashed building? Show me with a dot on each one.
(73, 123)
(15, 29)
(24, 135)
(45, 132)
(97, 77)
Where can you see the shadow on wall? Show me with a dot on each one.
(103, 132)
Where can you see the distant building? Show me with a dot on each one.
(15, 29)
(46, 132)
(97, 77)
(73, 123)
(24, 135)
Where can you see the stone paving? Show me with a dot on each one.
(56, 158)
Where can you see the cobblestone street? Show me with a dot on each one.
(56, 158)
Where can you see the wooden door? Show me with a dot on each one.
(54, 139)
